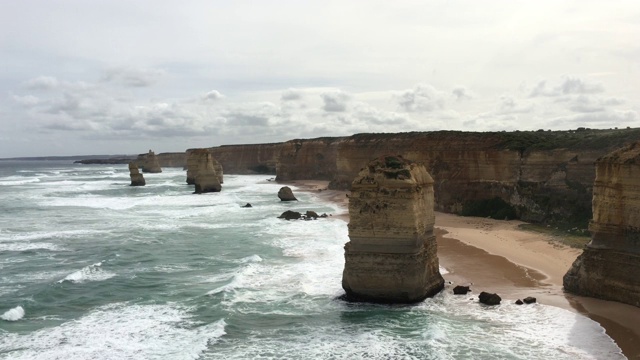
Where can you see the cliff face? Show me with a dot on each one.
(609, 267)
(539, 176)
(392, 254)
(312, 159)
(174, 159)
(248, 159)
(206, 180)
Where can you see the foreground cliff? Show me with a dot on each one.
(541, 176)
(392, 254)
(609, 267)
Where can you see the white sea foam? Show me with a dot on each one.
(88, 273)
(17, 180)
(14, 314)
(25, 246)
(119, 331)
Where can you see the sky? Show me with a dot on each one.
(123, 77)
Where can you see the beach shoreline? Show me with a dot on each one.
(497, 256)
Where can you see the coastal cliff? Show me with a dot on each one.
(392, 253)
(248, 159)
(538, 176)
(195, 157)
(609, 267)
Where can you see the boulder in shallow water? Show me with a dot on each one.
(489, 298)
(290, 215)
(461, 290)
(519, 302)
(285, 194)
(247, 205)
(311, 214)
(529, 300)
(136, 177)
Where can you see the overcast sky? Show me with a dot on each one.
(114, 77)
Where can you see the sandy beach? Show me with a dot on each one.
(497, 256)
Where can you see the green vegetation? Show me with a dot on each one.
(574, 239)
(582, 138)
(495, 208)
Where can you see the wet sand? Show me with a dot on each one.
(496, 256)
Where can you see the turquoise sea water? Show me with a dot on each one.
(91, 268)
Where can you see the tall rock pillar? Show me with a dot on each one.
(609, 267)
(150, 163)
(206, 179)
(193, 161)
(136, 178)
(392, 254)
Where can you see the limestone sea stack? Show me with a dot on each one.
(392, 254)
(136, 177)
(193, 159)
(609, 267)
(206, 179)
(150, 163)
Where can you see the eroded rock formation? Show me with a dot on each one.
(150, 163)
(391, 256)
(609, 267)
(206, 179)
(194, 158)
(136, 177)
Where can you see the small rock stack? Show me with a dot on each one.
(392, 254)
(136, 177)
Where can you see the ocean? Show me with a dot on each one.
(91, 268)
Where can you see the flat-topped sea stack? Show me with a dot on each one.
(392, 255)
(194, 157)
(206, 179)
(150, 163)
(609, 267)
(136, 177)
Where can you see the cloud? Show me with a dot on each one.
(291, 95)
(461, 93)
(26, 100)
(509, 105)
(42, 83)
(567, 87)
(132, 77)
(422, 98)
(335, 101)
(212, 95)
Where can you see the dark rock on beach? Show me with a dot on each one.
(529, 300)
(489, 298)
(290, 215)
(461, 290)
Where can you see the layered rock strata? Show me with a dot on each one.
(392, 255)
(206, 179)
(136, 177)
(194, 158)
(609, 267)
(150, 163)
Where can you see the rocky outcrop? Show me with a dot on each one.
(194, 159)
(136, 177)
(391, 256)
(285, 194)
(149, 163)
(206, 179)
(461, 290)
(609, 267)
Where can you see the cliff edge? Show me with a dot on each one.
(609, 267)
